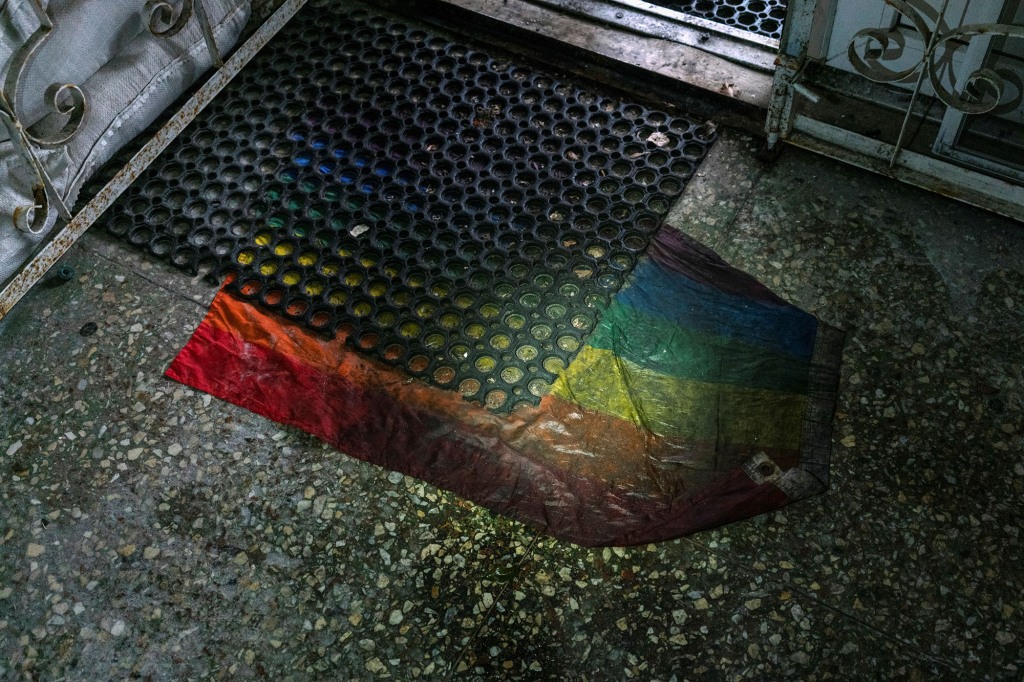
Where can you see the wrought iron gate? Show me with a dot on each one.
(927, 91)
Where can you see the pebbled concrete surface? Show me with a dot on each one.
(148, 531)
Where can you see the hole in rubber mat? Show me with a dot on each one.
(455, 212)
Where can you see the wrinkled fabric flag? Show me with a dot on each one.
(700, 398)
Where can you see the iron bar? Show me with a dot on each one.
(207, 28)
(925, 60)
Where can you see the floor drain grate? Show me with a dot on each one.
(453, 212)
(763, 17)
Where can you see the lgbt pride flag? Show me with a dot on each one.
(700, 398)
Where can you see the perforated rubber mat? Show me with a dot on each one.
(763, 17)
(455, 212)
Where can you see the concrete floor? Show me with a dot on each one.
(148, 531)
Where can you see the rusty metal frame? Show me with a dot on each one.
(59, 241)
(791, 60)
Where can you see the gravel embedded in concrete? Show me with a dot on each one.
(147, 530)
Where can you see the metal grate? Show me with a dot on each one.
(453, 212)
(763, 17)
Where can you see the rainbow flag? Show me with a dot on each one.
(699, 399)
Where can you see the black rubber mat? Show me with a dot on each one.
(457, 213)
(763, 17)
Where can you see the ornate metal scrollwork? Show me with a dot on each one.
(165, 19)
(982, 91)
(31, 218)
(162, 19)
(60, 98)
(165, 22)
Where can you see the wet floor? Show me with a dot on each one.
(148, 531)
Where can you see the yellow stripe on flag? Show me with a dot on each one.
(599, 380)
